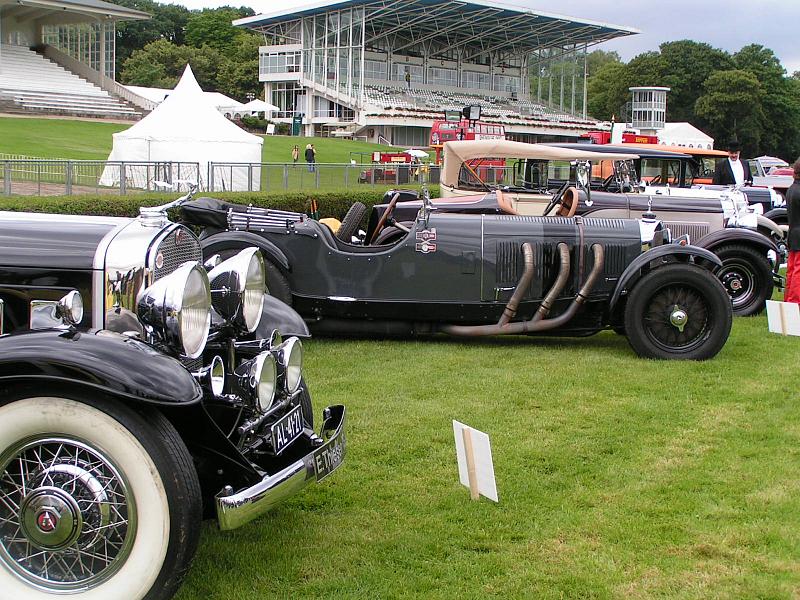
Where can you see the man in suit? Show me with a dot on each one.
(792, 291)
(732, 171)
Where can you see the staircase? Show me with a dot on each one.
(32, 84)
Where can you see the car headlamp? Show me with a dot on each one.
(177, 308)
(259, 375)
(238, 285)
(289, 356)
(70, 308)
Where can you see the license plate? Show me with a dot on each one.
(287, 429)
(329, 457)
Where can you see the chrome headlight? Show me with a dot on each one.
(178, 309)
(290, 363)
(259, 375)
(237, 288)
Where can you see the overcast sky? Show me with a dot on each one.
(726, 24)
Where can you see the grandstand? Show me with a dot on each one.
(57, 57)
(385, 69)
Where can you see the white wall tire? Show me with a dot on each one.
(143, 453)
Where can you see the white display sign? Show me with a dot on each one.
(475, 467)
(783, 317)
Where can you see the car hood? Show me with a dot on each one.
(52, 241)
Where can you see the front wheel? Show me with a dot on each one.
(746, 275)
(678, 311)
(96, 502)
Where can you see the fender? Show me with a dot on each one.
(779, 215)
(280, 316)
(770, 225)
(632, 273)
(718, 238)
(100, 360)
(238, 239)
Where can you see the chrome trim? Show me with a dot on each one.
(44, 315)
(236, 509)
(2, 315)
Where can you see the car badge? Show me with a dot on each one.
(427, 235)
(426, 247)
(159, 260)
(179, 236)
(47, 521)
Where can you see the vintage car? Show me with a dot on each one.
(138, 395)
(479, 275)
(720, 221)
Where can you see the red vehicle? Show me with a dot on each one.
(604, 137)
(449, 131)
(391, 167)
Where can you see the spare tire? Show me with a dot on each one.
(351, 221)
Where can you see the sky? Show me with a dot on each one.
(726, 24)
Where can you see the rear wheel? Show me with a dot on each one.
(678, 311)
(746, 275)
(96, 501)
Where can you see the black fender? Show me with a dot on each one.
(100, 360)
(718, 238)
(643, 262)
(279, 315)
(780, 215)
(225, 240)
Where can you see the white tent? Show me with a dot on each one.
(183, 135)
(255, 106)
(686, 135)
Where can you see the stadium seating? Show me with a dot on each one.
(408, 102)
(31, 83)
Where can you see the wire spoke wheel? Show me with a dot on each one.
(677, 318)
(67, 515)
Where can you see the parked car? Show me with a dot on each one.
(138, 394)
(545, 178)
(475, 275)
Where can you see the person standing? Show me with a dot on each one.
(408, 78)
(732, 171)
(295, 153)
(311, 157)
(792, 291)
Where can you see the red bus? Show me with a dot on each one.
(448, 131)
(604, 137)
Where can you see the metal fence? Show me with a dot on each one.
(40, 177)
(46, 177)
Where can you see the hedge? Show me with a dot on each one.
(330, 203)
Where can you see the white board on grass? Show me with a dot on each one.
(783, 317)
(482, 456)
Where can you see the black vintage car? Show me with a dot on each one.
(474, 275)
(718, 220)
(140, 390)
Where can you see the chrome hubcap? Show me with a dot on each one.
(67, 516)
(678, 318)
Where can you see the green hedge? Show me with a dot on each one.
(330, 203)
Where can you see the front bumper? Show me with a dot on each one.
(234, 509)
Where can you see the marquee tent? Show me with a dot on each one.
(684, 134)
(182, 136)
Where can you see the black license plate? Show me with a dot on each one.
(329, 457)
(287, 429)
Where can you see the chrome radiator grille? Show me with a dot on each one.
(178, 246)
(695, 230)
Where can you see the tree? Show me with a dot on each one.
(732, 105)
(213, 27)
(599, 58)
(607, 91)
(238, 75)
(168, 23)
(161, 64)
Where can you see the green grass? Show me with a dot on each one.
(618, 477)
(91, 140)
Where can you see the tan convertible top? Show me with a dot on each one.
(456, 153)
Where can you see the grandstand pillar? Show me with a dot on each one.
(102, 68)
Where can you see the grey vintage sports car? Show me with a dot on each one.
(474, 275)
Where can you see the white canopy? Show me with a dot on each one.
(686, 135)
(186, 128)
(257, 106)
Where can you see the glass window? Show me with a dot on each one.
(440, 76)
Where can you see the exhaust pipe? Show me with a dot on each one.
(538, 322)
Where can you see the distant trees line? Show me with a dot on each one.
(747, 95)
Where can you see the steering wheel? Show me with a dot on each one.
(555, 200)
(384, 218)
(569, 203)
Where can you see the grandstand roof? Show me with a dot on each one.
(24, 10)
(458, 23)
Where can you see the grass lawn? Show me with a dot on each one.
(618, 477)
(91, 140)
